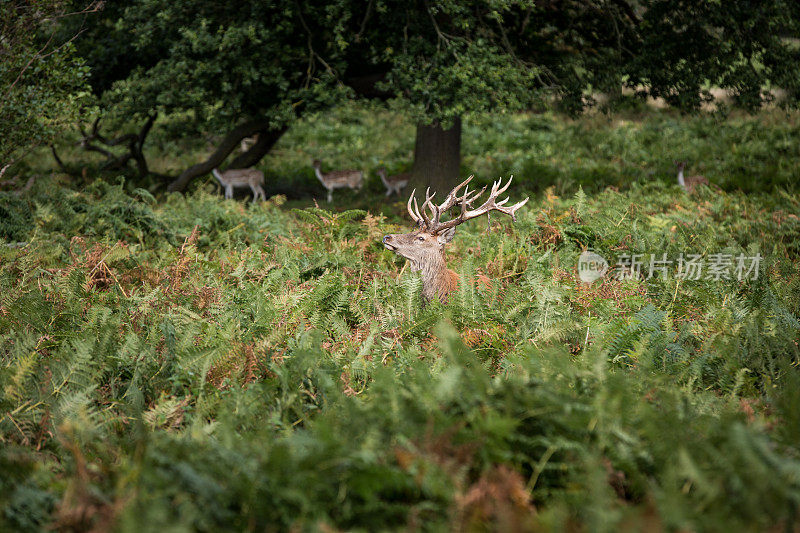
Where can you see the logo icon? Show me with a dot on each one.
(591, 266)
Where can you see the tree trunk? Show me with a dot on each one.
(228, 144)
(437, 157)
(266, 140)
(137, 148)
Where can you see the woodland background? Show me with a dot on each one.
(170, 360)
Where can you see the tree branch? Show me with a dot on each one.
(313, 53)
(26, 187)
(135, 143)
(92, 8)
(357, 37)
(28, 64)
(228, 144)
(59, 162)
(629, 11)
(266, 140)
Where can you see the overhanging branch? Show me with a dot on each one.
(134, 142)
(228, 144)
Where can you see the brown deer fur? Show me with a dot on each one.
(425, 252)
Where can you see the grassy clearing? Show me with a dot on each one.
(205, 364)
(745, 153)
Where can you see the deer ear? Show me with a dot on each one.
(446, 236)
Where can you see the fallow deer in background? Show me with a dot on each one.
(393, 183)
(338, 179)
(692, 181)
(247, 142)
(239, 178)
(424, 247)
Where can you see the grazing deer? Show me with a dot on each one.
(393, 183)
(239, 178)
(692, 181)
(424, 247)
(338, 179)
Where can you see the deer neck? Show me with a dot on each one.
(318, 172)
(437, 279)
(217, 175)
(681, 181)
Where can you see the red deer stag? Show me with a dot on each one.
(424, 247)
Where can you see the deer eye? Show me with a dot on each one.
(420, 238)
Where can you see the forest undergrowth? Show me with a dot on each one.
(200, 364)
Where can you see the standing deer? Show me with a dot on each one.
(692, 181)
(424, 247)
(393, 183)
(240, 178)
(338, 179)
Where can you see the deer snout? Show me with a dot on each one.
(387, 242)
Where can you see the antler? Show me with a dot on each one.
(433, 224)
(420, 218)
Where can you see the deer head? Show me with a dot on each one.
(424, 247)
